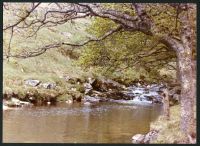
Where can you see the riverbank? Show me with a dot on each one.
(169, 130)
(165, 131)
(88, 90)
(38, 81)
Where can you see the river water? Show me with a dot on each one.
(78, 123)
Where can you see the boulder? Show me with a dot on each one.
(138, 84)
(150, 136)
(88, 88)
(5, 107)
(97, 94)
(70, 79)
(32, 83)
(88, 91)
(66, 78)
(145, 139)
(102, 96)
(14, 102)
(76, 97)
(90, 80)
(24, 103)
(138, 139)
(48, 85)
(118, 95)
(106, 84)
(69, 101)
(91, 99)
(87, 103)
(32, 99)
(73, 80)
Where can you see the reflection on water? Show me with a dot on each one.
(78, 123)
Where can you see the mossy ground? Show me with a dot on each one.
(169, 130)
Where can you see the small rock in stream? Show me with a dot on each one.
(91, 99)
(87, 103)
(69, 101)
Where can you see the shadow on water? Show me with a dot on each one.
(78, 123)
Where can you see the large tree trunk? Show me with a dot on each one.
(184, 55)
(187, 92)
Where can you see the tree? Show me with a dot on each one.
(125, 50)
(139, 18)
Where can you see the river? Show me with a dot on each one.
(78, 123)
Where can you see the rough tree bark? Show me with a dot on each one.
(183, 49)
(166, 104)
(187, 98)
(177, 72)
(185, 67)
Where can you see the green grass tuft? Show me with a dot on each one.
(169, 131)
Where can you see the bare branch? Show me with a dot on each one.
(22, 19)
(9, 46)
(57, 45)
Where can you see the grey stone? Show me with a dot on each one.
(102, 84)
(90, 80)
(87, 86)
(48, 85)
(138, 138)
(176, 97)
(87, 103)
(31, 82)
(91, 99)
(67, 78)
(150, 136)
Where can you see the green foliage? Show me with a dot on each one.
(80, 88)
(64, 97)
(105, 26)
(122, 7)
(165, 19)
(124, 51)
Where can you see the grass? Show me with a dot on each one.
(169, 131)
(49, 67)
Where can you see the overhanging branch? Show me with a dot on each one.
(57, 45)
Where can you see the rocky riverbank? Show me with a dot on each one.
(89, 91)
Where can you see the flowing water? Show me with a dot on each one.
(78, 123)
